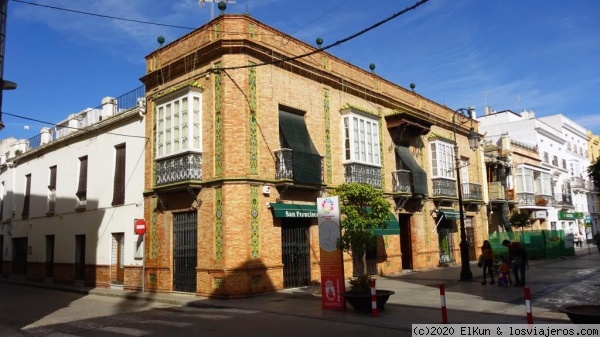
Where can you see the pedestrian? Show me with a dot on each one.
(597, 240)
(517, 256)
(487, 254)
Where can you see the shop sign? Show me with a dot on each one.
(564, 215)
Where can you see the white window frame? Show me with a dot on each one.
(360, 137)
(542, 183)
(524, 180)
(442, 160)
(179, 123)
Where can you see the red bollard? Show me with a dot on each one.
(528, 305)
(373, 298)
(443, 302)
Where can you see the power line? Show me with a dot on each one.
(337, 43)
(103, 16)
(68, 127)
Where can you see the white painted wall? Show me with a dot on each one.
(99, 219)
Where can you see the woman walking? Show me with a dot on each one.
(488, 260)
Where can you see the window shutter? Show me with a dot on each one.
(27, 196)
(52, 184)
(119, 182)
(82, 188)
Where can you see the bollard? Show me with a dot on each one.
(443, 302)
(373, 299)
(528, 305)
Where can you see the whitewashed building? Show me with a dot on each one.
(553, 192)
(575, 154)
(70, 196)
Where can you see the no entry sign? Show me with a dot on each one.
(139, 226)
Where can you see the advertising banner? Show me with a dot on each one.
(332, 264)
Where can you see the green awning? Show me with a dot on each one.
(451, 215)
(293, 210)
(306, 161)
(392, 227)
(419, 176)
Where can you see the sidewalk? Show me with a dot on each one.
(417, 298)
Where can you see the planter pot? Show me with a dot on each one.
(362, 302)
(582, 314)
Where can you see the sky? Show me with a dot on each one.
(540, 55)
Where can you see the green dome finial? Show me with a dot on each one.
(160, 39)
(222, 6)
(372, 67)
(319, 42)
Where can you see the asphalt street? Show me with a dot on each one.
(46, 309)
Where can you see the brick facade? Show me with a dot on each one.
(239, 243)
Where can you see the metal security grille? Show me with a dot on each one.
(185, 251)
(296, 255)
(117, 265)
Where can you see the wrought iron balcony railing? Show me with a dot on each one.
(526, 199)
(580, 183)
(182, 167)
(284, 164)
(532, 199)
(562, 200)
(472, 191)
(360, 173)
(444, 187)
(402, 181)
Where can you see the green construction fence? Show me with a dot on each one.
(540, 244)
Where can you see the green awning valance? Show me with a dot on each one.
(392, 227)
(294, 211)
(306, 161)
(450, 215)
(419, 176)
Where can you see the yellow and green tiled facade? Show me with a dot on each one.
(239, 241)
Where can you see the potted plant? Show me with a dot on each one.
(363, 208)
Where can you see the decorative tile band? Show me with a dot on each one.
(254, 223)
(326, 112)
(218, 223)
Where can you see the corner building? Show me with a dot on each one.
(246, 137)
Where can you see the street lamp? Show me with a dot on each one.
(462, 116)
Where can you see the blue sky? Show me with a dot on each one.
(542, 55)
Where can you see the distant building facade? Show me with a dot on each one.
(548, 180)
(245, 139)
(70, 196)
(594, 202)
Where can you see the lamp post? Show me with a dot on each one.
(462, 116)
(4, 84)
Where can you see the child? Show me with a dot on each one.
(504, 274)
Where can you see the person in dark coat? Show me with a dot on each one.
(487, 253)
(517, 256)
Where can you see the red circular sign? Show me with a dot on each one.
(139, 226)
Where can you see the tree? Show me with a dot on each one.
(594, 172)
(363, 208)
(519, 220)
